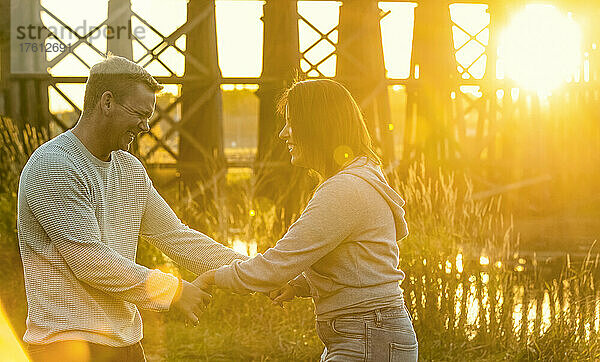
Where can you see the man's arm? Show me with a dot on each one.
(189, 248)
(60, 202)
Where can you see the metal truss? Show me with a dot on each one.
(471, 147)
(322, 37)
(176, 127)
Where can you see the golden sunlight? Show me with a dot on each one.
(9, 342)
(247, 248)
(540, 48)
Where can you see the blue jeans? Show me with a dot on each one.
(381, 335)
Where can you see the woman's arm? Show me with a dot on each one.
(332, 215)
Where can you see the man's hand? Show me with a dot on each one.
(283, 294)
(191, 302)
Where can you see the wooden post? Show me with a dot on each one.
(24, 75)
(277, 180)
(433, 67)
(201, 158)
(118, 36)
(360, 67)
(281, 61)
(491, 87)
(4, 56)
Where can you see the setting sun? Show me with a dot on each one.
(540, 48)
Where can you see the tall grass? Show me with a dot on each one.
(16, 145)
(471, 295)
(469, 289)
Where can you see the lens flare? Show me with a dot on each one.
(342, 154)
(9, 342)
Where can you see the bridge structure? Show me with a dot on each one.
(505, 136)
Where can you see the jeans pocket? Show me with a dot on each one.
(403, 352)
(391, 345)
(348, 327)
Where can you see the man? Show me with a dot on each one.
(83, 201)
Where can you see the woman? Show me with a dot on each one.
(343, 247)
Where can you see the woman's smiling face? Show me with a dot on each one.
(286, 134)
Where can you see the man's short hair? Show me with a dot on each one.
(118, 75)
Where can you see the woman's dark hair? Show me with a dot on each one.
(327, 124)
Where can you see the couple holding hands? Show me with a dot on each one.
(84, 201)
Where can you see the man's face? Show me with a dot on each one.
(131, 116)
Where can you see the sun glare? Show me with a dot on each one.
(9, 342)
(540, 48)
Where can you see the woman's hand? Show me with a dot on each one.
(206, 280)
(283, 294)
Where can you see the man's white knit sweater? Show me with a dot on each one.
(79, 220)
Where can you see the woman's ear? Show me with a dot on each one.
(106, 102)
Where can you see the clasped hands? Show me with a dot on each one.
(194, 297)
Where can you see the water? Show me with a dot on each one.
(482, 293)
(532, 295)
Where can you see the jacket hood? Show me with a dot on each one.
(372, 173)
